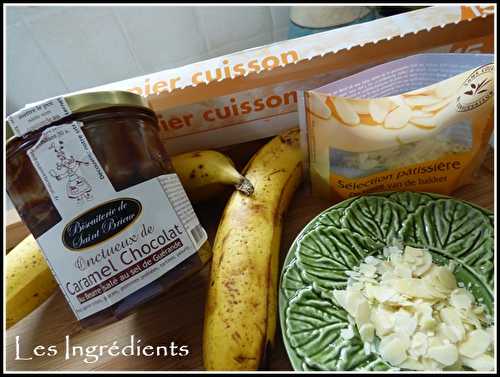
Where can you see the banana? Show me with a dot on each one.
(29, 280)
(241, 306)
(205, 173)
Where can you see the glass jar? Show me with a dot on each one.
(123, 134)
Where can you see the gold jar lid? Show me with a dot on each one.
(100, 100)
(83, 102)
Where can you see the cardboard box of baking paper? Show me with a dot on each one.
(252, 94)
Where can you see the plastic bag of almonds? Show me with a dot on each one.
(421, 123)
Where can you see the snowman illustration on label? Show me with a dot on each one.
(77, 187)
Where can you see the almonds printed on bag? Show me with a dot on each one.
(345, 111)
(318, 107)
(398, 118)
(401, 127)
(418, 101)
(379, 108)
(437, 106)
(361, 106)
(421, 114)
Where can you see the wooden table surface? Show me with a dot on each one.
(176, 316)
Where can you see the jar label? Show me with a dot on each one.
(69, 169)
(38, 116)
(109, 243)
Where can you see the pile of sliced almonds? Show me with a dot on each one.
(412, 312)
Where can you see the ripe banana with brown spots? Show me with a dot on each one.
(28, 278)
(204, 174)
(241, 307)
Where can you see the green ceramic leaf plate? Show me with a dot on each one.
(339, 238)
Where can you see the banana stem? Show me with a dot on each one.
(245, 186)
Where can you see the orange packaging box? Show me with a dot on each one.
(253, 94)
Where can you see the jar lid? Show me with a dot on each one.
(40, 114)
(100, 100)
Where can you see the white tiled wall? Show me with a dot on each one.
(52, 50)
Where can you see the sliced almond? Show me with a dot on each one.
(392, 350)
(421, 114)
(346, 112)
(413, 258)
(403, 271)
(383, 321)
(398, 118)
(383, 267)
(383, 294)
(423, 122)
(437, 106)
(368, 269)
(423, 310)
(352, 299)
(431, 272)
(362, 313)
(412, 364)
(421, 127)
(379, 108)
(388, 251)
(418, 345)
(372, 260)
(361, 106)
(397, 259)
(413, 287)
(404, 322)
(445, 354)
(440, 279)
(434, 340)
(358, 286)
(481, 363)
(431, 364)
(367, 332)
(446, 332)
(371, 291)
(428, 323)
(426, 263)
(461, 299)
(491, 331)
(318, 108)
(476, 344)
(419, 101)
(447, 279)
(455, 367)
(451, 317)
(397, 101)
(414, 252)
